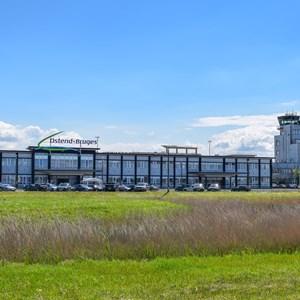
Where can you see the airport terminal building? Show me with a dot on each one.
(179, 165)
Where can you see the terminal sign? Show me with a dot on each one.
(73, 141)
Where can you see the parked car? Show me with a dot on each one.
(241, 188)
(214, 187)
(141, 187)
(181, 188)
(123, 188)
(82, 188)
(198, 187)
(4, 187)
(48, 187)
(282, 186)
(96, 187)
(64, 187)
(35, 187)
(292, 186)
(110, 187)
(153, 188)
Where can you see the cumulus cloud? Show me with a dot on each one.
(254, 135)
(15, 137)
(263, 120)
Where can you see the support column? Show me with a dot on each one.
(17, 168)
(121, 169)
(236, 171)
(187, 170)
(200, 169)
(107, 167)
(174, 172)
(259, 173)
(49, 165)
(224, 171)
(32, 166)
(135, 169)
(271, 173)
(149, 169)
(94, 164)
(248, 179)
(161, 171)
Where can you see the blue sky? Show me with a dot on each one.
(143, 72)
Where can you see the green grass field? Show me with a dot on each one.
(87, 205)
(263, 277)
(246, 276)
(114, 205)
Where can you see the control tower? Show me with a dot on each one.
(287, 147)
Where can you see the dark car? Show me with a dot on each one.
(4, 187)
(48, 187)
(110, 187)
(241, 188)
(35, 187)
(82, 188)
(181, 188)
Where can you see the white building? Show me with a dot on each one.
(287, 148)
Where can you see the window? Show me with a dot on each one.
(24, 166)
(24, 180)
(155, 164)
(64, 161)
(212, 167)
(114, 164)
(193, 166)
(128, 164)
(86, 162)
(41, 161)
(8, 165)
(9, 179)
(41, 179)
(142, 164)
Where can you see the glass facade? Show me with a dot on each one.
(19, 169)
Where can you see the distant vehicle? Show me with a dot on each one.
(282, 186)
(153, 188)
(198, 187)
(96, 187)
(35, 187)
(123, 188)
(292, 186)
(110, 187)
(241, 188)
(95, 183)
(275, 186)
(182, 187)
(64, 187)
(131, 187)
(48, 187)
(141, 187)
(4, 187)
(214, 187)
(82, 188)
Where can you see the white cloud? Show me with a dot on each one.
(17, 137)
(254, 135)
(290, 103)
(265, 120)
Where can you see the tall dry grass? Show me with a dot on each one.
(207, 227)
